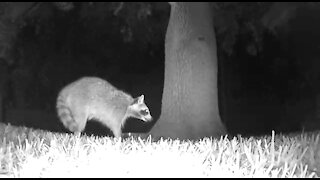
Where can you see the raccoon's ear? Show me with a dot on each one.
(138, 100)
(141, 99)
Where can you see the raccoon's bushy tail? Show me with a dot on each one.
(65, 115)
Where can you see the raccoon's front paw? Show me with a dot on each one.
(126, 135)
(77, 133)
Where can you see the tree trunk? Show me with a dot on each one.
(3, 78)
(190, 95)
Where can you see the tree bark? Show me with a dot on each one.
(3, 81)
(190, 95)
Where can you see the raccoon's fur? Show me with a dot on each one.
(94, 98)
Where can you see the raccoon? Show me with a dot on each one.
(92, 98)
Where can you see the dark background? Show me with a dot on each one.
(266, 81)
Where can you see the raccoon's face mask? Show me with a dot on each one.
(140, 110)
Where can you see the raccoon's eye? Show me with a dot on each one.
(144, 112)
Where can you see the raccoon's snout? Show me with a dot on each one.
(148, 118)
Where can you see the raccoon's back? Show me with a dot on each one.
(82, 92)
(87, 93)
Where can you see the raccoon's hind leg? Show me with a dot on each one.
(77, 134)
(117, 132)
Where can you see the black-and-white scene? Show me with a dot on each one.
(159, 89)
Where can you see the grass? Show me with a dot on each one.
(26, 152)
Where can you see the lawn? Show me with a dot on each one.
(27, 152)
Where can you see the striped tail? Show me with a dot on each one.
(65, 115)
